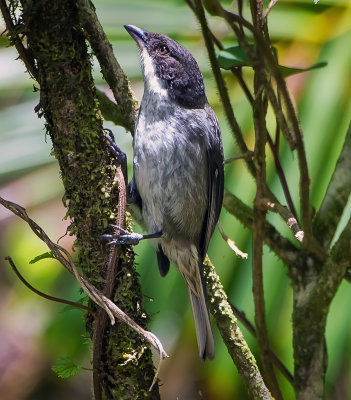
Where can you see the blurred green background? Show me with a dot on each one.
(34, 332)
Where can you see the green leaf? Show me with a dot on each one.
(48, 254)
(287, 71)
(234, 56)
(65, 367)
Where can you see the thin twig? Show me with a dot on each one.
(111, 70)
(271, 4)
(44, 295)
(280, 172)
(22, 51)
(99, 298)
(283, 247)
(264, 45)
(222, 89)
(259, 218)
(231, 243)
(239, 157)
(287, 216)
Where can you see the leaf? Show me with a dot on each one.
(48, 254)
(288, 71)
(65, 367)
(235, 56)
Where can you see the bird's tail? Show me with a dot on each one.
(201, 318)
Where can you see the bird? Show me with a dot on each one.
(178, 169)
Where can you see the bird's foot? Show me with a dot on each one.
(119, 155)
(128, 237)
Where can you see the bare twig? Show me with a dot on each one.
(44, 295)
(22, 51)
(297, 139)
(259, 218)
(275, 149)
(287, 216)
(99, 298)
(223, 92)
(283, 247)
(110, 67)
(231, 243)
(249, 154)
(271, 4)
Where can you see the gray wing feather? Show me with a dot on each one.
(215, 169)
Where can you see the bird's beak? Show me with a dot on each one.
(139, 35)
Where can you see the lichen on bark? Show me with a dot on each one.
(69, 104)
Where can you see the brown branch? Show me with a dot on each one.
(264, 45)
(16, 40)
(259, 218)
(278, 166)
(283, 248)
(286, 215)
(222, 89)
(44, 295)
(111, 70)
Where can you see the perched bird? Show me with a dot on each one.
(178, 168)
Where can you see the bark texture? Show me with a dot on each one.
(69, 104)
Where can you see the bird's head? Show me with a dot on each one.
(169, 68)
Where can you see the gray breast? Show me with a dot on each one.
(170, 172)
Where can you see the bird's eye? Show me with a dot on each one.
(163, 50)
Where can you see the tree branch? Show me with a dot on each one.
(232, 336)
(312, 298)
(23, 52)
(63, 256)
(284, 249)
(259, 216)
(223, 92)
(111, 70)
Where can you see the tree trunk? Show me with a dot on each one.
(69, 104)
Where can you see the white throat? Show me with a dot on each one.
(153, 84)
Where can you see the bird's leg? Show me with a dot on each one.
(119, 156)
(128, 237)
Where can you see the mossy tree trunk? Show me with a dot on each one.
(69, 104)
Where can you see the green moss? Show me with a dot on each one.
(69, 103)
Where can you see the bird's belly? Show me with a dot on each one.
(172, 182)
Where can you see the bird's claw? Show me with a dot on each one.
(118, 154)
(127, 237)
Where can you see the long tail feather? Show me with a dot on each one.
(202, 322)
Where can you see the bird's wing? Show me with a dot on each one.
(215, 172)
